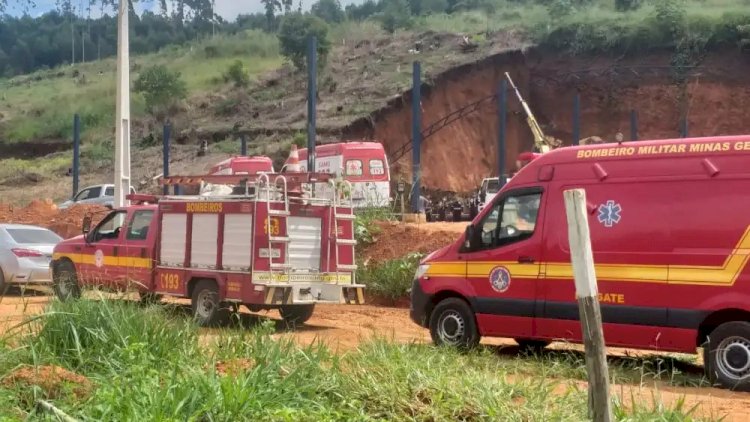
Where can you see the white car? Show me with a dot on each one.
(25, 254)
(97, 194)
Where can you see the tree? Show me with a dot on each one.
(161, 89)
(271, 7)
(363, 11)
(396, 15)
(329, 10)
(293, 35)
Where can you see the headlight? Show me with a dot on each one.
(421, 271)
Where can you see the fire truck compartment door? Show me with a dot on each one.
(203, 247)
(238, 237)
(304, 246)
(173, 234)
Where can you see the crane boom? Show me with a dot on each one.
(539, 139)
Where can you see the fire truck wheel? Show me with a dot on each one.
(66, 282)
(727, 355)
(149, 298)
(296, 314)
(207, 309)
(531, 346)
(452, 323)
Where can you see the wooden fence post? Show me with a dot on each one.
(588, 304)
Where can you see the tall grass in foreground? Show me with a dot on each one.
(149, 363)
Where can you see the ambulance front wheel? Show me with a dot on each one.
(296, 314)
(65, 281)
(727, 356)
(452, 323)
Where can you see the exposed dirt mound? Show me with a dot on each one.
(44, 213)
(54, 380)
(397, 240)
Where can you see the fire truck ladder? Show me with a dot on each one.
(281, 215)
(348, 242)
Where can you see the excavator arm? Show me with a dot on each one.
(540, 143)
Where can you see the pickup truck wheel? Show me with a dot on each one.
(531, 346)
(65, 282)
(296, 314)
(727, 356)
(452, 323)
(207, 309)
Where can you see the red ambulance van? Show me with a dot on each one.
(670, 232)
(363, 164)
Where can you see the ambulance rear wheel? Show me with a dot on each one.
(727, 356)
(452, 323)
(65, 281)
(296, 314)
(208, 311)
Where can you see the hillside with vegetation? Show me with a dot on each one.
(250, 77)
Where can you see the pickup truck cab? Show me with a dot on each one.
(97, 194)
(670, 234)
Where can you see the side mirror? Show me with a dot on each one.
(86, 226)
(469, 237)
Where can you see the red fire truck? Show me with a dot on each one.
(670, 232)
(272, 249)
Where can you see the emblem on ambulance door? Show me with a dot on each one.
(609, 213)
(98, 258)
(500, 279)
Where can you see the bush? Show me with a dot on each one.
(237, 74)
(559, 8)
(161, 89)
(296, 29)
(390, 279)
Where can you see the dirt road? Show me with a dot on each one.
(344, 327)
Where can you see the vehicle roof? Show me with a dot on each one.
(139, 207)
(630, 151)
(21, 226)
(349, 145)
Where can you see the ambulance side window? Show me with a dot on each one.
(510, 220)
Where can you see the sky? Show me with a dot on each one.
(228, 9)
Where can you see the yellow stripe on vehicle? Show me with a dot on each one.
(109, 261)
(724, 275)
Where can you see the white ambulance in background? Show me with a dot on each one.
(363, 164)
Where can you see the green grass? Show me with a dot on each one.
(148, 363)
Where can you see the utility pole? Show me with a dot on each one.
(122, 119)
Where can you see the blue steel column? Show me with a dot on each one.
(243, 145)
(165, 154)
(633, 125)
(76, 151)
(416, 134)
(502, 107)
(312, 89)
(684, 127)
(577, 119)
